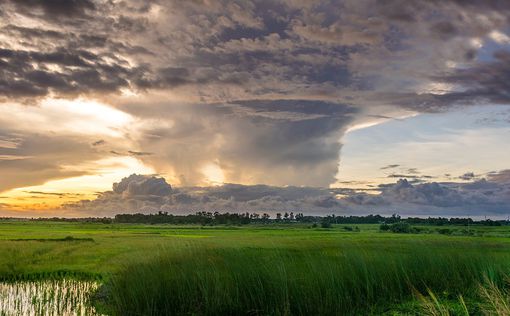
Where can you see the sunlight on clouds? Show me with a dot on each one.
(213, 173)
(53, 193)
(80, 116)
(476, 42)
(437, 88)
(498, 37)
(371, 120)
(89, 116)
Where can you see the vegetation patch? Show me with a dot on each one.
(293, 282)
(65, 239)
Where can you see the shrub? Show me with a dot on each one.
(384, 227)
(399, 228)
(445, 231)
(326, 224)
(402, 228)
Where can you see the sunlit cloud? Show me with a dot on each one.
(51, 194)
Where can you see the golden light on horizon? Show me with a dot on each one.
(52, 194)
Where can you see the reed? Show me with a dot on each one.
(257, 281)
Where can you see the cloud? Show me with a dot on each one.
(141, 193)
(145, 193)
(289, 138)
(55, 7)
(99, 142)
(389, 167)
(467, 176)
(139, 153)
(261, 90)
(139, 185)
(38, 158)
(502, 176)
(243, 50)
(31, 74)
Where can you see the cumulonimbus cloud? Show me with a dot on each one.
(261, 90)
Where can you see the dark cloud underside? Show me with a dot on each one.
(151, 194)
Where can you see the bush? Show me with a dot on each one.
(402, 228)
(445, 231)
(399, 228)
(384, 227)
(326, 224)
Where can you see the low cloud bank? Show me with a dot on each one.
(148, 193)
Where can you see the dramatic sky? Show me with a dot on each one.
(345, 107)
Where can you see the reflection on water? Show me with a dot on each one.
(45, 298)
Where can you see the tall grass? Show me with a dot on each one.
(497, 300)
(254, 281)
(494, 300)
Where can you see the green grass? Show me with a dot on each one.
(307, 281)
(259, 270)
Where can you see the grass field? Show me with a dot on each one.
(276, 270)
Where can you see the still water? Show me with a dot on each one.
(47, 298)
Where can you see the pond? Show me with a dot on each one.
(49, 297)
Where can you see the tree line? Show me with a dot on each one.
(218, 218)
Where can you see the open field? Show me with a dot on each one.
(273, 269)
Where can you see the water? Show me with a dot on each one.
(47, 298)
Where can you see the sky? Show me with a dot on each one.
(321, 107)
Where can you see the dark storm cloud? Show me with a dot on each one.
(55, 7)
(273, 85)
(140, 193)
(283, 48)
(251, 139)
(245, 49)
(486, 82)
(79, 72)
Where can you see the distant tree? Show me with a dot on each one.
(278, 216)
(395, 218)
